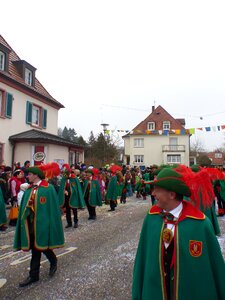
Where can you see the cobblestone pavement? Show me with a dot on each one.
(96, 262)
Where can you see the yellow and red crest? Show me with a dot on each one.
(195, 248)
(42, 200)
(74, 183)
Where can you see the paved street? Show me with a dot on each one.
(96, 262)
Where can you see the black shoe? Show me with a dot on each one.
(52, 270)
(68, 225)
(3, 228)
(75, 225)
(28, 281)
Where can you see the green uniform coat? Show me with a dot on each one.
(112, 191)
(48, 230)
(3, 217)
(199, 269)
(95, 198)
(75, 191)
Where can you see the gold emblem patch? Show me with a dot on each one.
(167, 235)
(195, 248)
(42, 200)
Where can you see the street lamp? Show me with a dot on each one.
(104, 125)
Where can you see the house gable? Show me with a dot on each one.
(158, 116)
(14, 76)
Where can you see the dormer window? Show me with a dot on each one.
(2, 61)
(151, 126)
(28, 76)
(166, 125)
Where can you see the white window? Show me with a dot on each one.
(138, 143)
(151, 126)
(166, 125)
(139, 158)
(35, 115)
(173, 159)
(28, 76)
(218, 155)
(173, 143)
(2, 61)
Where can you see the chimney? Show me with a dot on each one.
(153, 108)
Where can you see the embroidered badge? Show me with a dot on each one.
(42, 200)
(74, 183)
(167, 235)
(195, 248)
(94, 185)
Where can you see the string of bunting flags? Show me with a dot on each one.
(173, 131)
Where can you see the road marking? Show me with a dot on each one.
(67, 250)
(2, 282)
(8, 255)
(27, 257)
(5, 247)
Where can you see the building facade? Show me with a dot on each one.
(29, 116)
(159, 139)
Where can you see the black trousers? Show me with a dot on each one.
(36, 259)
(68, 213)
(91, 209)
(113, 204)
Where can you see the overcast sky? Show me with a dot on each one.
(111, 61)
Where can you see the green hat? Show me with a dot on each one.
(170, 180)
(36, 171)
(195, 168)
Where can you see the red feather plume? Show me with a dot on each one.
(50, 169)
(200, 185)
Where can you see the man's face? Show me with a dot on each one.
(32, 177)
(165, 199)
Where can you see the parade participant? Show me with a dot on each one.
(70, 195)
(92, 192)
(112, 191)
(14, 184)
(3, 217)
(210, 212)
(178, 256)
(39, 225)
(4, 183)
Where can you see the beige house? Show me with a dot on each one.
(29, 116)
(159, 139)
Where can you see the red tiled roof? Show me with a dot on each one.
(14, 75)
(158, 116)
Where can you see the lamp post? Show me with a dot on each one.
(104, 125)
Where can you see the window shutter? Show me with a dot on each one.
(8, 108)
(29, 113)
(44, 118)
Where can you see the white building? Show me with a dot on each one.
(159, 139)
(29, 116)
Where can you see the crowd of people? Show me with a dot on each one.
(181, 224)
(77, 187)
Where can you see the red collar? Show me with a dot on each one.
(188, 211)
(43, 183)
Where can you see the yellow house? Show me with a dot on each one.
(159, 139)
(29, 116)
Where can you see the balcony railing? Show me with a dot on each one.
(173, 148)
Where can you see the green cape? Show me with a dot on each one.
(3, 217)
(95, 198)
(197, 275)
(48, 230)
(76, 194)
(112, 191)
